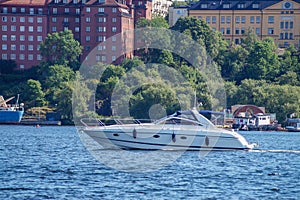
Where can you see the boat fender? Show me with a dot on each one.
(134, 133)
(206, 140)
(173, 137)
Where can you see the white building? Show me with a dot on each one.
(176, 12)
(161, 7)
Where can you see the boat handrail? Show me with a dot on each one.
(88, 122)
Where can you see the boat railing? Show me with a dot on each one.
(94, 122)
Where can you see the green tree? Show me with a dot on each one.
(201, 33)
(34, 96)
(61, 48)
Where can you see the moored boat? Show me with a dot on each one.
(10, 114)
(293, 124)
(183, 130)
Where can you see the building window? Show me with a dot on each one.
(222, 30)
(30, 56)
(271, 19)
(291, 36)
(88, 19)
(77, 29)
(22, 57)
(204, 5)
(30, 47)
(114, 19)
(87, 9)
(258, 19)
(228, 31)
(4, 46)
(214, 19)
(30, 38)
(39, 57)
(103, 58)
(13, 56)
(102, 19)
(77, 11)
(291, 25)
(241, 5)
(13, 28)
(39, 38)
(22, 37)
(208, 19)
(4, 37)
(67, 10)
(226, 5)
(4, 19)
(242, 30)
(100, 10)
(13, 47)
(286, 36)
(281, 36)
(282, 25)
(13, 19)
(13, 9)
(101, 47)
(286, 25)
(30, 28)
(228, 19)
(39, 29)
(243, 19)
(113, 48)
(40, 11)
(76, 20)
(114, 10)
(39, 20)
(222, 20)
(255, 5)
(56, 1)
(53, 28)
(4, 28)
(31, 11)
(114, 29)
(30, 19)
(22, 28)
(270, 31)
(257, 30)
(65, 1)
(237, 19)
(88, 29)
(113, 58)
(54, 10)
(66, 19)
(53, 19)
(22, 19)
(4, 56)
(23, 10)
(87, 38)
(22, 47)
(237, 31)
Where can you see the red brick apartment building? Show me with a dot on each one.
(26, 23)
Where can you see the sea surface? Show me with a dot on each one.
(53, 163)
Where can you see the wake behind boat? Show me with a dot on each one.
(183, 130)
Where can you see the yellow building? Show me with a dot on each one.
(279, 19)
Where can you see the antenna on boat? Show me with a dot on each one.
(17, 102)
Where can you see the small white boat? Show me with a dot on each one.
(293, 125)
(183, 130)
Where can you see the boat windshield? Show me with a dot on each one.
(180, 118)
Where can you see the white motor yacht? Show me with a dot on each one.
(183, 130)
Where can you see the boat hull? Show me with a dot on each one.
(10, 117)
(166, 139)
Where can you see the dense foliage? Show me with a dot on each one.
(255, 72)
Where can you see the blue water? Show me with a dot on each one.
(53, 163)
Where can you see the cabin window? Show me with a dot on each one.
(116, 134)
(156, 136)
